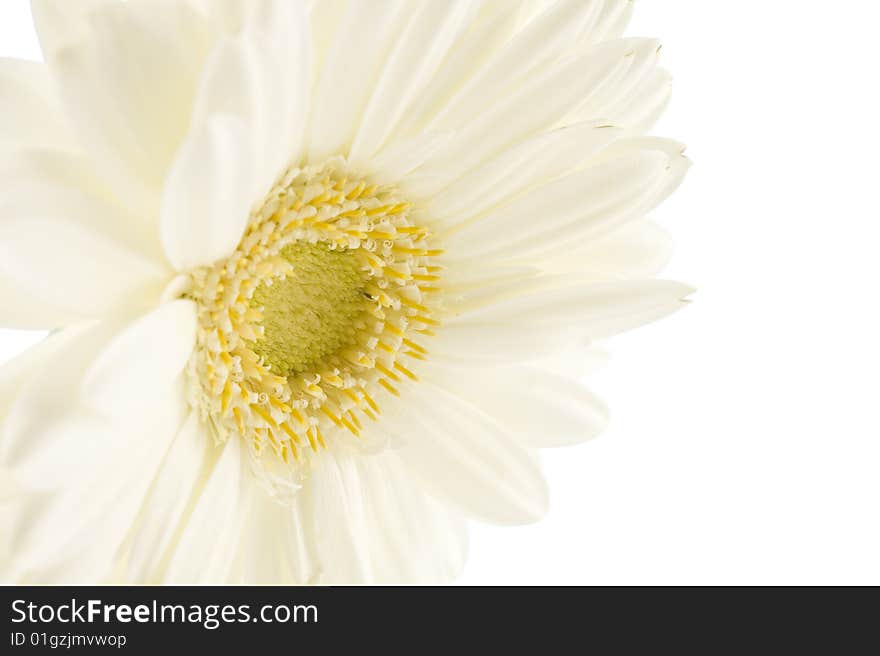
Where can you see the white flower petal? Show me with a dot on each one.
(529, 319)
(467, 56)
(263, 77)
(127, 73)
(48, 438)
(485, 343)
(612, 21)
(325, 17)
(208, 196)
(15, 374)
(351, 68)
(227, 16)
(29, 113)
(75, 535)
(65, 241)
(576, 362)
(536, 161)
(539, 408)
(594, 311)
(65, 184)
(340, 521)
(418, 52)
(373, 523)
(277, 545)
(641, 110)
(20, 310)
(466, 460)
(248, 125)
(60, 22)
(639, 249)
(142, 360)
(206, 550)
(623, 97)
(404, 156)
(626, 181)
(281, 29)
(419, 541)
(541, 42)
(186, 464)
(540, 103)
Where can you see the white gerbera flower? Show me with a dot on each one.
(323, 275)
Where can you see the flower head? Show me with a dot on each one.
(322, 274)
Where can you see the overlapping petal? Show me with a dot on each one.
(467, 460)
(73, 469)
(541, 409)
(374, 523)
(126, 74)
(30, 116)
(248, 125)
(65, 240)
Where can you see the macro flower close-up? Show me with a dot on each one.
(320, 277)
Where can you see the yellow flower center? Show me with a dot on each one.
(312, 313)
(321, 310)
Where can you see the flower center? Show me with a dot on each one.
(313, 312)
(319, 313)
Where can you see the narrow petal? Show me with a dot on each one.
(373, 523)
(640, 249)
(130, 371)
(536, 106)
(641, 109)
(351, 67)
(207, 199)
(623, 97)
(487, 343)
(625, 182)
(539, 408)
(419, 541)
(404, 156)
(208, 544)
(612, 21)
(541, 42)
(418, 52)
(520, 169)
(250, 78)
(168, 501)
(466, 460)
(340, 520)
(468, 55)
(593, 311)
(281, 30)
(325, 17)
(248, 126)
(278, 545)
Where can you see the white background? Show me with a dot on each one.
(745, 441)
